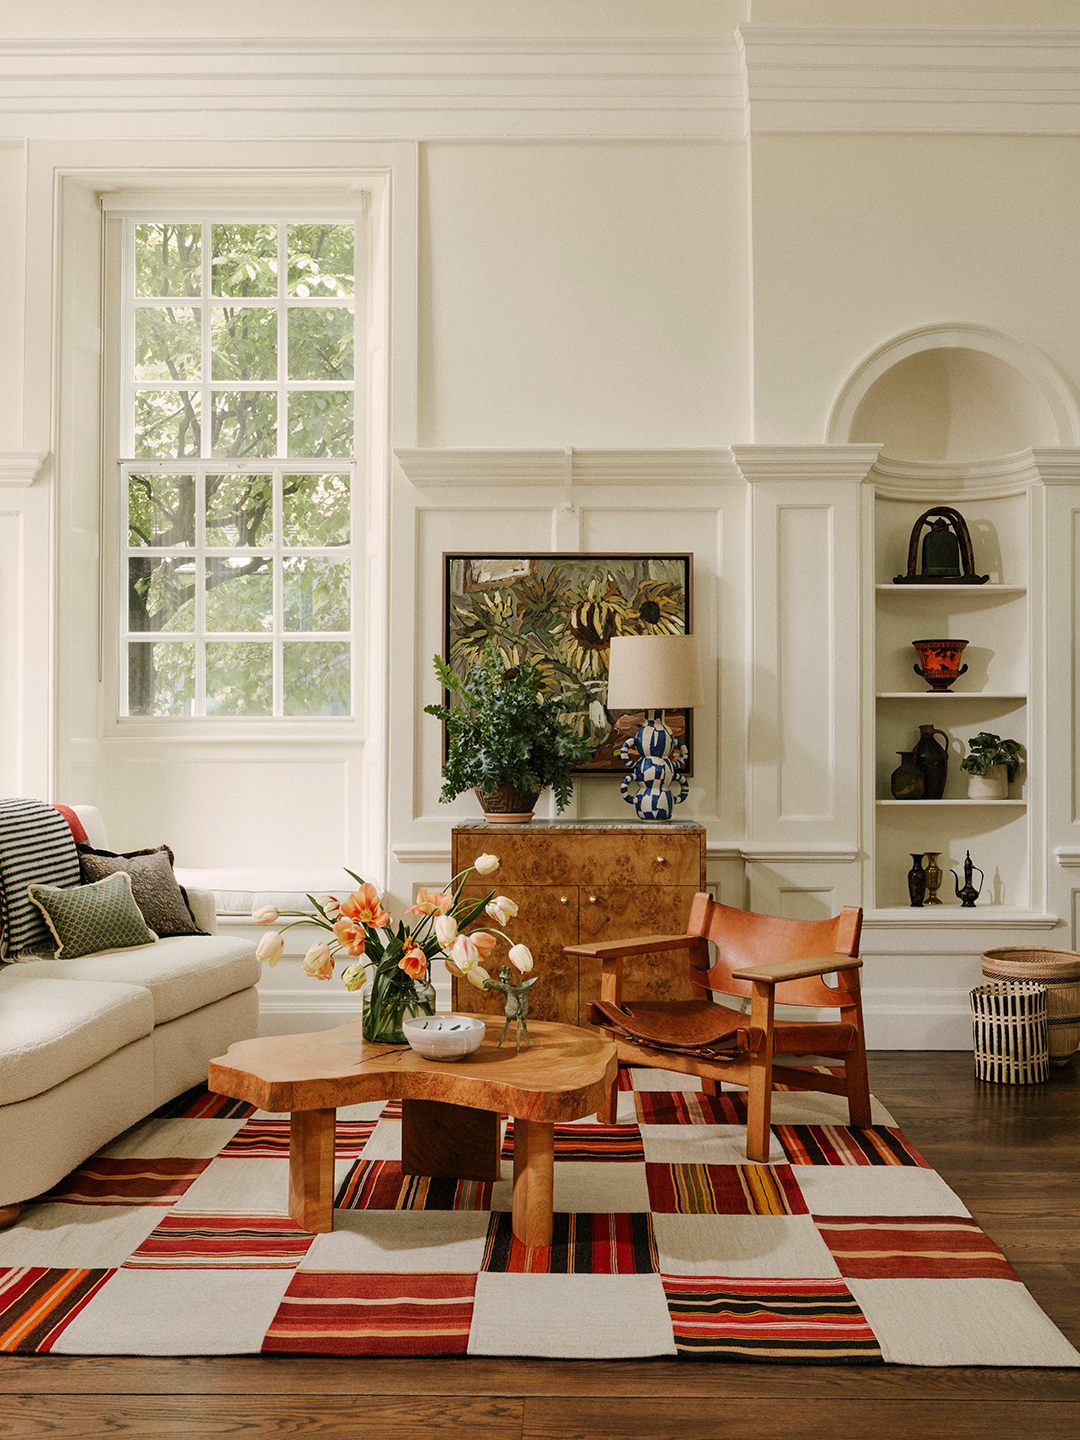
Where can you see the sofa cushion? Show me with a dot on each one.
(52, 1029)
(182, 972)
(238, 892)
(163, 903)
(36, 846)
(90, 919)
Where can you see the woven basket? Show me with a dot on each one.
(1011, 1044)
(1059, 971)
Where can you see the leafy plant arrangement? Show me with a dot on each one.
(395, 960)
(986, 749)
(504, 733)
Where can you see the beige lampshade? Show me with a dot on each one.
(654, 672)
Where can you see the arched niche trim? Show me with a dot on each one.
(1035, 374)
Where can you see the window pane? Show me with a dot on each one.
(239, 593)
(240, 677)
(316, 677)
(315, 593)
(167, 424)
(316, 509)
(161, 593)
(168, 343)
(161, 677)
(168, 259)
(244, 422)
(243, 343)
(320, 344)
(244, 259)
(320, 260)
(161, 509)
(321, 422)
(239, 510)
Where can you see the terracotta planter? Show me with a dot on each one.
(506, 806)
(994, 785)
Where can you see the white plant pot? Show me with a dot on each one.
(994, 785)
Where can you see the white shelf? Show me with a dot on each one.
(952, 914)
(948, 695)
(952, 589)
(959, 800)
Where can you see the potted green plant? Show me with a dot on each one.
(991, 763)
(503, 740)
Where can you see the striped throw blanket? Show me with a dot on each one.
(36, 848)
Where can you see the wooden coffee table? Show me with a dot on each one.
(450, 1110)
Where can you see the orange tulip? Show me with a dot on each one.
(365, 907)
(351, 935)
(431, 902)
(414, 963)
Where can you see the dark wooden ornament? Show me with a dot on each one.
(947, 553)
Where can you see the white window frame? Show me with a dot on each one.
(177, 207)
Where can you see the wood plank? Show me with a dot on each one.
(262, 1417)
(511, 1376)
(578, 1419)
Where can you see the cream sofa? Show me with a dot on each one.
(90, 1046)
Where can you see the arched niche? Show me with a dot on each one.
(956, 393)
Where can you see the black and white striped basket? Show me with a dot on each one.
(1012, 1043)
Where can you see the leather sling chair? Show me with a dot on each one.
(762, 958)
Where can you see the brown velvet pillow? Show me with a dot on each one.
(161, 899)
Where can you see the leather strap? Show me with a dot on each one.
(684, 1027)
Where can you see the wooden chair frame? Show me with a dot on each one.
(806, 952)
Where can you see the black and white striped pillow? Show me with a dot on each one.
(36, 848)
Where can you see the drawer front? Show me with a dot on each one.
(593, 857)
(547, 920)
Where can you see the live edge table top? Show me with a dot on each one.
(564, 1074)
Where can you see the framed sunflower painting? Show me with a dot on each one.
(560, 612)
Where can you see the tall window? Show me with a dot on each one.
(238, 432)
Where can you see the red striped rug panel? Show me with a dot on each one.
(811, 1322)
(910, 1247)
(37, 1305)
(690, 1189)
(580, 1245)
(104, 1181)
(187, 1240)
(348, 1313)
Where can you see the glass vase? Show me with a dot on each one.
(385, 1009)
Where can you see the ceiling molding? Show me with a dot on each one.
(21, 467)
(428, 468)
(688, 87)
(911, 79)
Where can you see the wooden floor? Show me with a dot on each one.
(1012, 1154)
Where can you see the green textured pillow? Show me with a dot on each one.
(90, 919)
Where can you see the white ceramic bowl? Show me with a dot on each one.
(444, 1037)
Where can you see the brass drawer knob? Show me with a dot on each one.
(661, 860)
(592, 899)
(564, 899)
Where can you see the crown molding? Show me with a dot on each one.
(430, 468)
(21, 467)
(911, 79)
(688, 87)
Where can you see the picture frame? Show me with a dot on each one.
(559, 611)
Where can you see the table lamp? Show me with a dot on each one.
(653, 673)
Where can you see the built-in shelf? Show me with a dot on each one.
(952, 913)
(949, 695)
(958, 800)
(945, 590)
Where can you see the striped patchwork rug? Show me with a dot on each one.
(846, 1248)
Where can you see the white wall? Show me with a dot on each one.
(617, 227)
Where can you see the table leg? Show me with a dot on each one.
(454, 1141)
(311, 1169)
(534, 1175)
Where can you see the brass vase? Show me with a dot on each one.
(933, 877)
